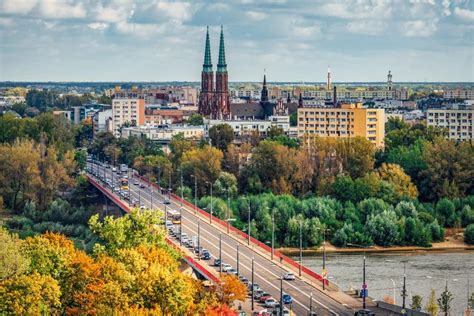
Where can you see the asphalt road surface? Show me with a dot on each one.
(267, 273)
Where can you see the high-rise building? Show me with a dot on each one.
(458, 123)
(348, 120)
(127, 111)
(214, 103)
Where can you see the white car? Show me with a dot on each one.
(226, 267)
(270, 302)
(231, 271)
(289, 276)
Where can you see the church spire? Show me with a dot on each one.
(221, 64)
(264, 96)
(207, 66)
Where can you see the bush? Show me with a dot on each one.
(469, 234)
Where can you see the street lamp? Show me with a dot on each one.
(301, 246)
(237, 259)
(253, 287)
(228, 220)
(195, 193)
(364, 285)
(248, 219)
(210, 217)
(199, 239)
(324, 255)
(220, 253)
(281, 295)
(273, 231)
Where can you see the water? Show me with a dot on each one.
(424, 271)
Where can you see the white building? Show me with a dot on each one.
(163, 133)
(246, 127)
(102, 121)
(127, 110)
(459, 123)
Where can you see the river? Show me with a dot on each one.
(424, 271)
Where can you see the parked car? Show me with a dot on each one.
(264, 297)
(142, 185)
(287, 299)
(166, 201)
(257, 293)
(226, 267)
(217, 262)
(270, 302)
(289, 276)
(363, 312)
(231, 271)
(206, 255)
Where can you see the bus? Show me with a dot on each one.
(174, 216)
(124, 184)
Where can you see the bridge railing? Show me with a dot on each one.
(126, 208)
(237, 231)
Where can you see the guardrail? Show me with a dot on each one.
(254, 241)
(208, 275)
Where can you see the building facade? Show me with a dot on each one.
(214, 102)
(459, 124)
(127, 111)
(465, 94)
(348, 120)
(246, 127)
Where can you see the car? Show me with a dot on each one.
(255, 287)
(364, 312)
(270, 302)
(244, 280)
(190, 243)
(226, 267)
(257, 294)
(205, 256)
(289, 276)
(114, 169)
(197, 250)
(136, 182)
(217, 262)
(231, 271)
(166, 201)
(142, 185)
(287, 299)
(169, 225)
(264, 297)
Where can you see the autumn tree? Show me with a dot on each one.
(445, 301)
(401, 182)
(416, 302)
(231, 289)
(431, 306)
(178, 146)
(12, 261)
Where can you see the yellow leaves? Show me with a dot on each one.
(395, 175)
(33, 294)
(230, 289)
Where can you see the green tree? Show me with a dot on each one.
(226, 184)
(445, 301)
(469, 234)
(221, 136)
(383, 228)
(196, 120)
(294, 119)
(416, 302)
(446, 212)
(12, 261)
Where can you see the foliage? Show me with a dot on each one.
(469, 234)
(196, 120)
(231, 289)
(12, 261)
(416, 302)
(383, 228)
(445, 300)
(221, 136)
(431, 306)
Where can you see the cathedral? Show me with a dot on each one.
(214, 102)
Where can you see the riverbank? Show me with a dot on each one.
(454, 243)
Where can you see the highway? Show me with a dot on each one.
(267, 273)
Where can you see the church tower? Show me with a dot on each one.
(207, 81)
(221, 108)
(389, 80)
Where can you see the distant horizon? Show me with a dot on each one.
(230, 81)
(112, 41)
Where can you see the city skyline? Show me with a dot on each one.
(295, 41)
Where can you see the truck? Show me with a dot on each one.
(123, 168)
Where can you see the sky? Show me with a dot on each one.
(141, 40)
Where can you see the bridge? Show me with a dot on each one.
(246, 254)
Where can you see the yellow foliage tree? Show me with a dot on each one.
(231, 289)
(395, 175)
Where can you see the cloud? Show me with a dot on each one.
(256, 15)
(420, 28)
(360, 9)
(139, 29)
(56, 9)
(98, 26)
(464, 14)
(371, 27)
(177, 11)
(18, 6)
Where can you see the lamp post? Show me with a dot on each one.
(248, 219)
(129, 196)
(181, 176)
(199, 239)
(364, 286)
(273, 231)
(311, 302)
(169, 187)
(301, 247)
(195, 193)
(139, 191)
(281, 295)
(253, 288)
(220, 252)
(404, 291)
(237, 258)
(210, 217)
(324, 229)
(228, 220)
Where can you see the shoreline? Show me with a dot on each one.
(442, 247)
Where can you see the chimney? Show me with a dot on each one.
(334, 97)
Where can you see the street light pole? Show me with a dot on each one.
(311, 302)
(199, 239)
(139, 192)
(195, 194)
(210, 217)
(237, 259)
(281, 295)
(301, 246)
(181, 176)
(404, 291)
(248, 227)
(253, 287)
(220, 252)
(129, 196)
(273, 231)
(324, 259)
(364, 286)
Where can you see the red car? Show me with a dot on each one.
(264, 297)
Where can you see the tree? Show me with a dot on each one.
(221, 136)
(274, 132)
(231, 289)
(449, 171)
(431, 306)
(416, 302)
(12, 261)
(383, 228)
(32, 294)
(133, 229)
(469, 234)
(445, 300)
(402, 184)
(445, 212)
(226, 184)
(196, 120)
(294, 119)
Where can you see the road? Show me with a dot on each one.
(267, 273)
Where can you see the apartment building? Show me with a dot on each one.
(127, 111)
(458, 123)
(348, 120)
(465, 94)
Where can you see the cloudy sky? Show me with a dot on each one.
(141, 40)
